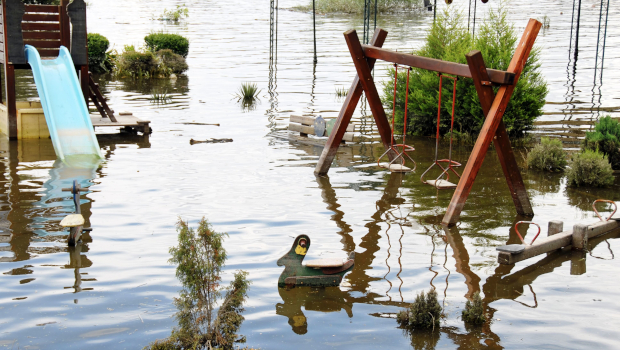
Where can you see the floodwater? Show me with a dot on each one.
(115, 290)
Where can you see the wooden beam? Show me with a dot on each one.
(42, 8)
(432, 64)
(491, 123)
(65, 24)
(346, 112)
(9, 75)
(479, 74)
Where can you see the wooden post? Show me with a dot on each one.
(346, 112)
(580, 237)
(490, 126)
(555, 227)
(501, 140)
(9, 76)
(65, 25)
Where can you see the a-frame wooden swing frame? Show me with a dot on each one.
(493, 105)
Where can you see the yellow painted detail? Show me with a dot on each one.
(300, 250)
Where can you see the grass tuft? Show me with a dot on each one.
(247, 95)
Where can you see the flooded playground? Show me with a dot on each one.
(116, 289)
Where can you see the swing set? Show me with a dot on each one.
(493, 106)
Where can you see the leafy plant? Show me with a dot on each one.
(175, 15)
(176, 63)
(448, 39)
(425, 312)
(99, 59)
(590, 168)
(474, 310)
(606, 139)
(137, 64)
(547, 155)
(166, 41)
(200, 256)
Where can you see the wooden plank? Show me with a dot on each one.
(41, 35)
(491, 123)
(94, 88)
(503, 147)
(441, 184)
(304, 129)
(542, 246)
(370, 89)
(10, 100)
(463, 70)
(346, 112)
(40, 26)
(65, 24)
(93, 97)
(42, 8)
(49, 44)
(84, 83)
(40, 17)
(48, 52)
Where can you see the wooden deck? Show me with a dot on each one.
(122, 120)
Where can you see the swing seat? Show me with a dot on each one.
(441, 184)
(395, 168)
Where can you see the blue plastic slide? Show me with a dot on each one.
(63, 103)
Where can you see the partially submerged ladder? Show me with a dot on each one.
(98, 100)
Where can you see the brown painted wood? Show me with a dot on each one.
(105, 112)
(495, 76)
(48, 44)
(9, 75)
(370, 89)
(41, 35)
(84, 83)
(503, 147)
(13, 13)
(346, 112)
(491, 124)
(97, 104)
(65, 24)
(40, 26)
(40, 17)
(42, 8)
(48, 52)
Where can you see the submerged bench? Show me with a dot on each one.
(306, 125)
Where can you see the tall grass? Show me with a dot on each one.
(247, 94)
(357, 6)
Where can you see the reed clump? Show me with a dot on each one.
(424, 313)
(474, 311)
(357, 6)
(247, 95)
(590, 168)
(548, 155)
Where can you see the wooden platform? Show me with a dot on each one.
(395, 168)
(441, 184)
(122, 121)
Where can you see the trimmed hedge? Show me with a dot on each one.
(164, 41)
(547, 155)
(606, 139)
(175, 63)
(98, 61)
(590, 168)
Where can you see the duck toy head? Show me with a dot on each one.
(315, 273)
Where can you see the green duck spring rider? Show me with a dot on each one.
(315, 273)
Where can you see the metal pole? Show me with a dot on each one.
(435, 11)
(469, 16)
(375, 16)
(473, 32)
(314, 28)
(577, 31)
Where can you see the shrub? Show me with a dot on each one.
(448, 39)
(474, 311)
(175, 63)
(200, 257)
(424, 312)
(174, 15)
(547, 155)
(99, 60)
(163, 41)
(138, 64)
(357, 6)
(590, 168)
(606, 139)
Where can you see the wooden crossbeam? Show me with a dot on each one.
(346, 112)
(432, 64)
(491, 124)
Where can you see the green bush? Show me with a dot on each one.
(175, 63)
(590, 168)
(606, 139)
(425, 312)
(99, 60)
(474, 310)
(138, 64)
(163, 41)
(547, 155)
(448, 39)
